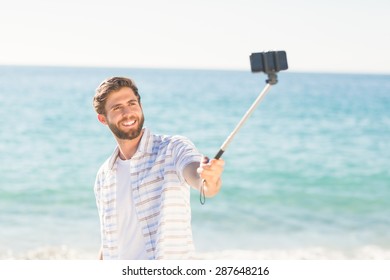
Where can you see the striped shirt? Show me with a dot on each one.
(160, 194)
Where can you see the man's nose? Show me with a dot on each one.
(126, 110)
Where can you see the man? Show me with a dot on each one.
(143, 189)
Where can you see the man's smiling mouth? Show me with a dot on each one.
(128, 123)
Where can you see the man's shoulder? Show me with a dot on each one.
(105, 166)
(162, 139)
(108, 163)
(170, 141)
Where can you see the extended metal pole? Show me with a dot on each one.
(269, 63)
(243, 120)
(272, 79)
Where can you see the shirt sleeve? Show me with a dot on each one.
(97, 191)
(185, 153)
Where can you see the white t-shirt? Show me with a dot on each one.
(131, 244)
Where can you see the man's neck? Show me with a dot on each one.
(127, 148)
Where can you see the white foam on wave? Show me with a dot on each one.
(49, 253)
(312, 253)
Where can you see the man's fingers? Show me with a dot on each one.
(214, 167)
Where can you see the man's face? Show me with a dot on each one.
(124, 115)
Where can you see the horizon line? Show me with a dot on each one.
(176, 68)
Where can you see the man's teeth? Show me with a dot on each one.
(129, 123)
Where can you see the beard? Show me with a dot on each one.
(130, 134)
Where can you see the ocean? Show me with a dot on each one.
(307, 177)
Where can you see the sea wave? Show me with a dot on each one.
(312, 253)
(49, 253)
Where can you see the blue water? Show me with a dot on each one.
(311, 167)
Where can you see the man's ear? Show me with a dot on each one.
(102, 119)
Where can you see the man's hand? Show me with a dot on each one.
(211, 171)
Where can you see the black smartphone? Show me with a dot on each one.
(269, 62)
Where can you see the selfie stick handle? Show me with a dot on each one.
(271, 81)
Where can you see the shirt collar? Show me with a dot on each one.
(145, 146)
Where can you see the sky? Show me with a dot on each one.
(318, 36)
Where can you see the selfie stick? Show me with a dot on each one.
(270, 63)
(229, 139)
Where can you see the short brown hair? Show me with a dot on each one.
(108, 86)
